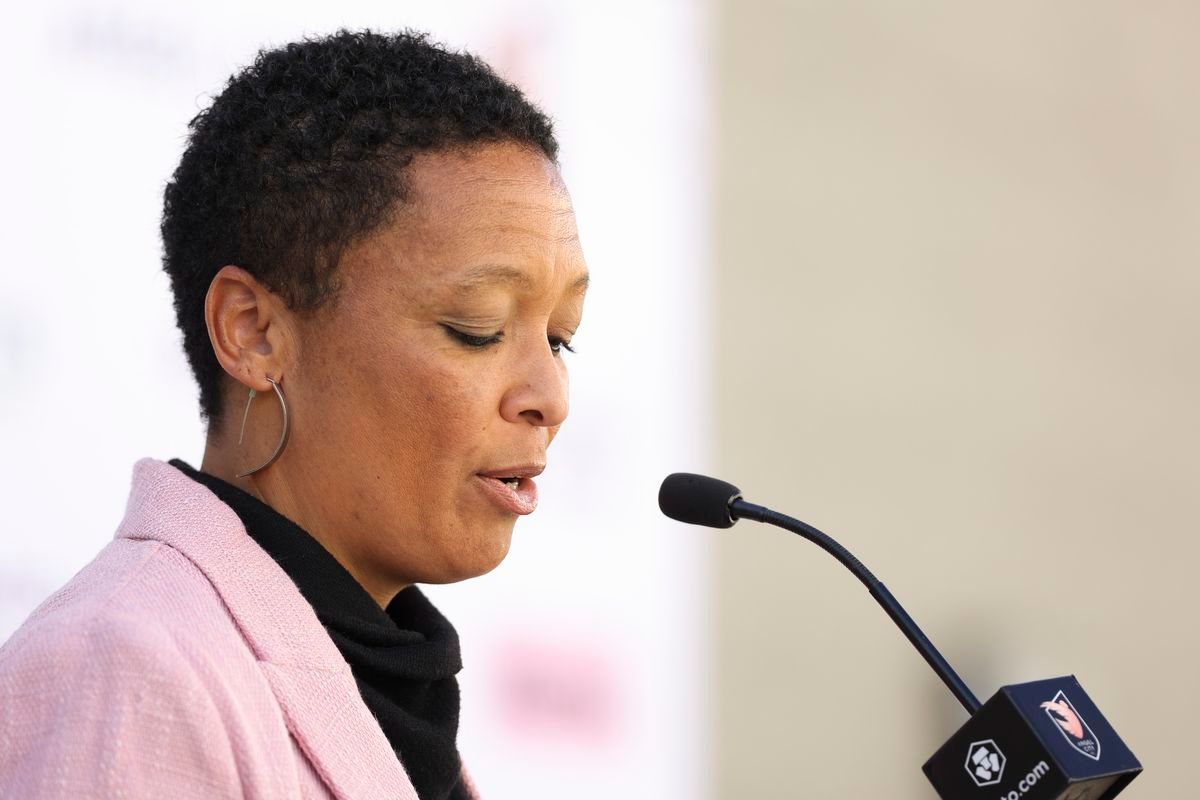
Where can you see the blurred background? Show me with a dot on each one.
(921, 274)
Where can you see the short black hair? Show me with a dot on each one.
(303, 152)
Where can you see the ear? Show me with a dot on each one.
(248, 328)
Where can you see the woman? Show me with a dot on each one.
(377, 273)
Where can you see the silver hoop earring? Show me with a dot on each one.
(283, 437)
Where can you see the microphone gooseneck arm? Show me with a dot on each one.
(740, 509)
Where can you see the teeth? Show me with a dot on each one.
(512, 483)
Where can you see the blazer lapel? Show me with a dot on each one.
(326, 714)
(310, 679)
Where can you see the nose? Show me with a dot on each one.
(537, 393)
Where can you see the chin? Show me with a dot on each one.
(477, 557)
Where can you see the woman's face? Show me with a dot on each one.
(439, 371)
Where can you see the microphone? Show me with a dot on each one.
(1043, 740)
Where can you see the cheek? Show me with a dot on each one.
(403, 407)
(430, 409)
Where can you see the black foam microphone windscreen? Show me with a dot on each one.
(698, 499)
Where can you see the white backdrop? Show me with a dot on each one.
(585, 651)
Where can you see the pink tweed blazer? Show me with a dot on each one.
(183, 663)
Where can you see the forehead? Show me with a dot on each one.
(466, 208)
(472, 219)
(507, 176)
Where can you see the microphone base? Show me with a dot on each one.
(1043, 740)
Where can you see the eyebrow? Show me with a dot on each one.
(488, 274)
(492, 274)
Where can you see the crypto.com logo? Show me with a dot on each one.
(985, 763)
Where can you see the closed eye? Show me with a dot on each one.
(472, 340)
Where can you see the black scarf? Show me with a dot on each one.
(404, 660)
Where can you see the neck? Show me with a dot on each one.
(279, 490)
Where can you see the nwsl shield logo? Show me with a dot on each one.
(1071, 725)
